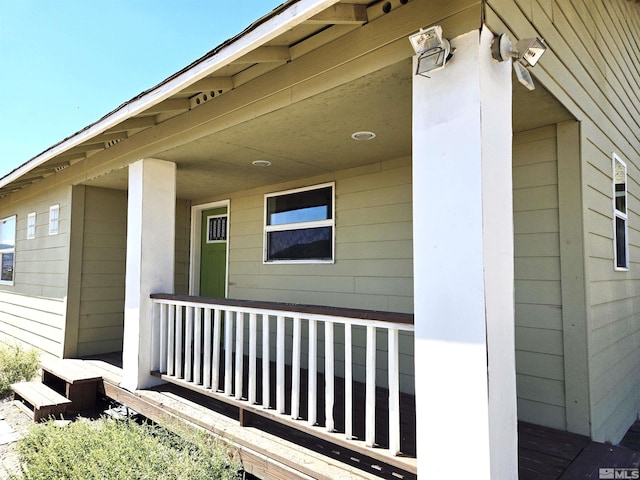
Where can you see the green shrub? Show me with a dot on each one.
(110, 449)
(16, 365)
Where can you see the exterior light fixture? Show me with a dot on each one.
(433, 51)
(261, 163)
(525, 56)
(363, 136)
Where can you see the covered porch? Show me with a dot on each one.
(271, 450)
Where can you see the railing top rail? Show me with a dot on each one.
(399, 319)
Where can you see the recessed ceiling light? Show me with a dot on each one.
(363, 135)
(261, 163)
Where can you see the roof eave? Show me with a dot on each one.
(284, 17)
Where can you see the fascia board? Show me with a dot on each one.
(283, 18)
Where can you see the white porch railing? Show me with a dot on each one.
(207, 345)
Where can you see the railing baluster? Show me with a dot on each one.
(206, 374)
(239, 354)
(313, 373)
(394, 393)
(253, 347)
(295, 369)
(197, 346)
(370, 395)
(228, 352)
(171, 341)
(280, 328)
(179, 344)
(328, 376)
(188, 346)
(348, 382)
(215, 366)
(189, 338)
(266, 380)
(163, 337)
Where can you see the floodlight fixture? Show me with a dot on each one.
(433, 51)
(525, 56)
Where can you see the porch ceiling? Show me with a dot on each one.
(258, 79)
(313, 137)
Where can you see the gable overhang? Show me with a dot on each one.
(281, 19)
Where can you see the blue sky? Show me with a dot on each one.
(66, 63)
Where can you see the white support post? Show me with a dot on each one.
(463, 267)
(149, 265)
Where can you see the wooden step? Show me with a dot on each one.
(38, 400)
(71, 377)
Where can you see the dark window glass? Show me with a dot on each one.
(307, 206)
(217, 229)
(302, 244)
(7, 267)
(621, 243)
(621, 197)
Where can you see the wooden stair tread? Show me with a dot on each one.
(38, 394)
(70, 370)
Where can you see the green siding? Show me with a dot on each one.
(591, 67)
(538, 294)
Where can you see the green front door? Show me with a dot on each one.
(213, 253)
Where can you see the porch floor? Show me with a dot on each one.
(544, 453)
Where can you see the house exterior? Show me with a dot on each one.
(504, 220)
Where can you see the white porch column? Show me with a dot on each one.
(150, 261)
(463, 266)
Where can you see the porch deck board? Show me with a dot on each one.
(544, 453)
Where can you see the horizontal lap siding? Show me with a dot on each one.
(592, 66)
(539, 347)
(32, 310)
(373, 266)
(103, 271)
(102, 292)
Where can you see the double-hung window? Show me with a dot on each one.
(620, 216)
(299, 225)
(31, 226)
(54, 219)
(7, 249)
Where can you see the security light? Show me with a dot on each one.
(433, 51)
(526, 54)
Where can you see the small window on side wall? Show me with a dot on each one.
(31, 226)
(620, 217)
(54, 219)
(7, 249)
(299, 225)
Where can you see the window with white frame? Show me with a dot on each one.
(54, 219)
(620, 217)
(7, 249)
(31, 226)
(299, 225)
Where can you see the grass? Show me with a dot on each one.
(109, 449)
(16, 365)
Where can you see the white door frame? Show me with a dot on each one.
(196, 234)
